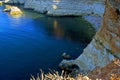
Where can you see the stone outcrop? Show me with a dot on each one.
(64, 7)
(105, 46)
(13, 10)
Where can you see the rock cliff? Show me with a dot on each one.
(64, 7)
(105, 46)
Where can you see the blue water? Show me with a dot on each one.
(35, 41)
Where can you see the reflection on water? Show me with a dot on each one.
(74, 29)
(59, 32)
(34, 41)
(16, 16)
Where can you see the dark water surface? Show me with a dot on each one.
(35, 41)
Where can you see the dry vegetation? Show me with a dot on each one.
(56, 76)
(109, 72)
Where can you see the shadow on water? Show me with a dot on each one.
(70, 28)
(35, 41)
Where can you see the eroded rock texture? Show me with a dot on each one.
(109, 72)
(105, 46)
(110, 31)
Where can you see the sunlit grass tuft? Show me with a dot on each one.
(54, 75)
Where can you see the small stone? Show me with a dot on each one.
(65, 56)
(6, 10)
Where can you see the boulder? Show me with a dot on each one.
(70, 67)
(15, 11)
(65, 56)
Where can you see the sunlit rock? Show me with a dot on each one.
(7, 8)
(54, 7)
(15, 11)
(0, 3)
(5, 1)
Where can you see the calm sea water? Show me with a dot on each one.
(35, 41)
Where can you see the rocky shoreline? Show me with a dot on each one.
(104, 47)
(64, 7)
(91, 10)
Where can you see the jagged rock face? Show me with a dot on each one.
(105, 46)
(110, 31)
(109, 72)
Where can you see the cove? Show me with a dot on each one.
(35, 41)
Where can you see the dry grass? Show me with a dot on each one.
(109, 72)
(53, 75)
(56, 76)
